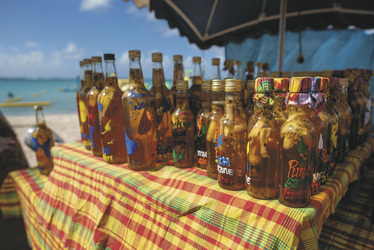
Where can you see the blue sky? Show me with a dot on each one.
(45, 38)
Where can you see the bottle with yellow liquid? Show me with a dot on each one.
(195, 90)
(111, 115)
(250, 89)
(178, 74)
(140, 119)
(279, 107)
(43, 141)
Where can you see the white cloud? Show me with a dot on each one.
(72, 51)
(31, 44)
(92, 5)
(13, 49)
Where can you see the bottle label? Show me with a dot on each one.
(181, 131)
(43, 152)
(226, 173)
(201, 143)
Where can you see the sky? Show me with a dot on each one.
(48, 38)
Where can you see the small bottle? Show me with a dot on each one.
(93, 108)
(297, 140)
(195, 90)
(43, 141)
(238, 69)
(81, 77)
(84, 127)
(111, 115)
(163, 101)
(232, 140)
(263, 144)
(183, 129)
(178, 74)
(216, 72)
(279, 107)
(229, 69)
(251, 103)
(201, 125)
(140, 119)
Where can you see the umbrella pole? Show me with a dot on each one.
(282, 31)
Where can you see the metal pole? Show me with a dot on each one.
(282, 33)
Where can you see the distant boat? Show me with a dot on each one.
(24, 104)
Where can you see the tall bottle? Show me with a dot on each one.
(238, 69)
(218, 106)
(195, 90)
(263, 144)
(81, 78)
(43, 141)
(84, 127)
(178, 74)
(297, 140)
(93, 108)
(232, 140)
(251, 103)
(140, 119)
(216, 72)
(163, 101)
(183, 129)
(279, 107)
(201, 125)
(111, 115)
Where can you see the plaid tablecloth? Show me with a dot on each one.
(88, 204)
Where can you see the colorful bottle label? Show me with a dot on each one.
(43, 152)
(201, 149)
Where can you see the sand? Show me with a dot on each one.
(65, 125)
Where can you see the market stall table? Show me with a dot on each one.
(88, 204)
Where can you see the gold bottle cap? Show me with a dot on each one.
(206, 86)
(38, 107)
(216, 61)
(238, 62)
(218, 85)
(178, 58)
(232, 85)
(196, 59)
(343, 82)
(251, 84)
(157, 57)
(86, 61)
(134, 53)
(96, 59)
(263, 74)
(81, 63)
(182, 85)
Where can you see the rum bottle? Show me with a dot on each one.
(195, 90)
(279, 107)
(251, 103)
(178, 74)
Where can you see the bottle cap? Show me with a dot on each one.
(316, 84)
(178, 58)
(86, 61)
(96, 59)
(206, 86)
(157, 57)
(264, 90)
(251, 84)
(196, 59)
(134, 53)
(81, 63)
(238, 62)
(109, 57)
(281, 84)
(218, 85)
(232, 85)
(216, 61)
(300, 85)
(182, 85)
(38, 107)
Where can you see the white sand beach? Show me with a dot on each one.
(65, 125)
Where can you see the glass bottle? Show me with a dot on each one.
(363, 98)
(163, 102)
(297, 140)
(232, 140)
(183, 129)
(263, 144)
(81, 78)
(333, 98)
(140, 119)
(195, 90)
(201, 125)
(279, 107)
(250, 71)
(84, 127)
(229, 69)
(111, 115)
(369, 104)
(251, 103)
(218, 106)
(216, 72)
(178, 74)
(93, 108)
(43, 141)
(238, 69)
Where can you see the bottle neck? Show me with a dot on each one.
(263, 109)
(39, 117)
(206, 97)
(218, 101)
(88, 76)
(158, 78)
(110, 69)
(197, 69)
(233, 103)
(216, 73)
(328, 96)
(97, 75)
(178, 72)
(81, 77)
(238, 72)
(182, 99)
(136, 73)
(299, 111)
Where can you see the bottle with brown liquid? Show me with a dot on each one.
(93, 108)
(43, 141)
(81, 77)
(111, 115)
(216, 72)
(195, 90)
(163, 101)
(218, 107)
(263, 144)
(251, 103)
(279, 107)
(334, 81)
(183, 129)
(201, 125)
(84, 127)
(178, 74)
(140, 119)
(232, 140)
(297, 141)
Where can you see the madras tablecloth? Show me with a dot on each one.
(88, 204)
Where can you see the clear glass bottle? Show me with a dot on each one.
(251, 103)
(216, 72)
(263, 144)
(183, 129)
(229, 69)
(93, 108)
(84, 127)
(369, 104)
(218, 107)
(163, 101)
(195, 90)
(238, 69)
(201, 125)
(81, 78)
(232, 140)
(279, 107)
(43, 141)
(140, 119)
(297, 140)
(178, 74)
(111, 115)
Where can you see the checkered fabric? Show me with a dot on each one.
(281, 86)
(318, 103)
(88, 204)
(264, 90)
(299, 91)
